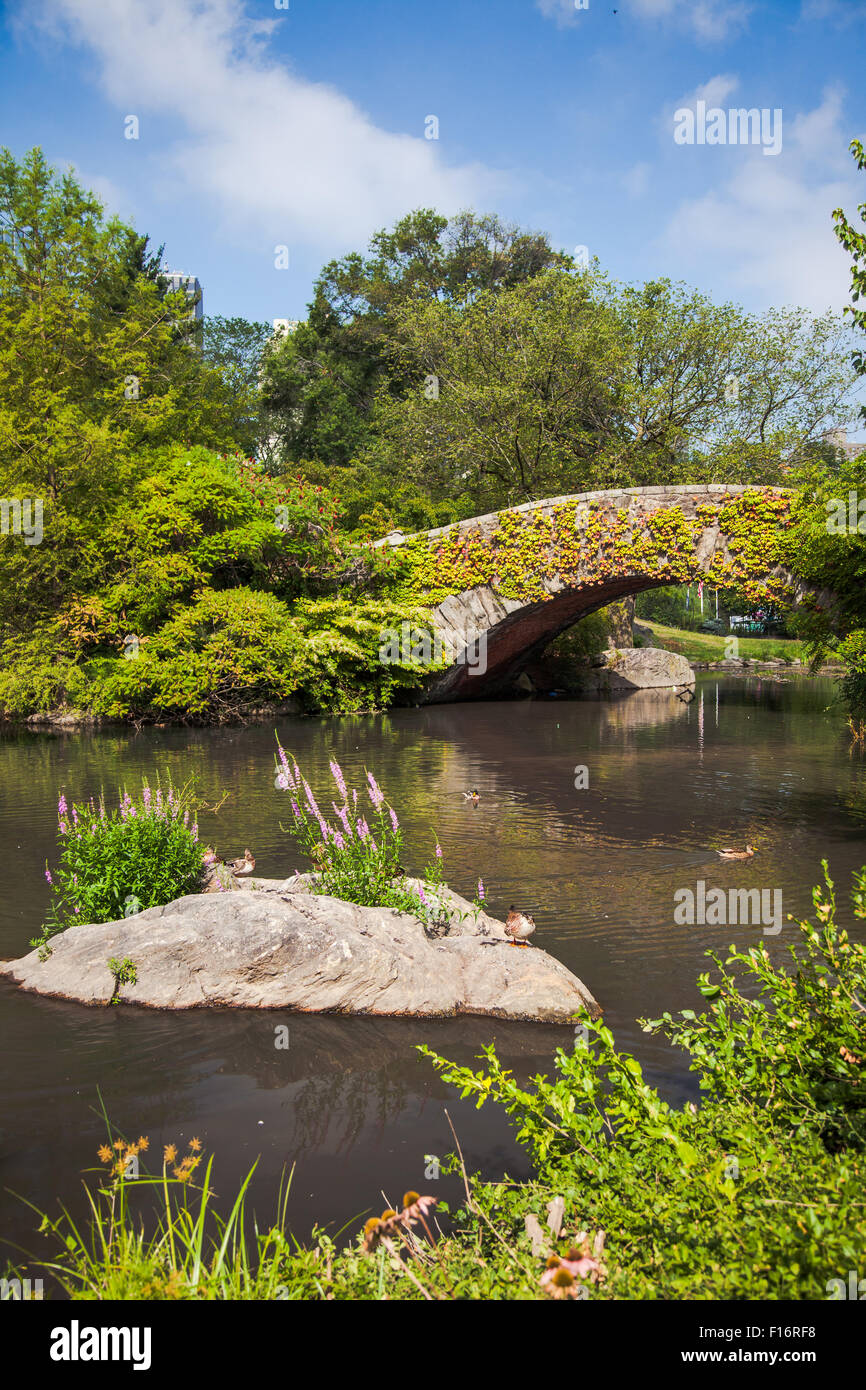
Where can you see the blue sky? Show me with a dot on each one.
(262, 126)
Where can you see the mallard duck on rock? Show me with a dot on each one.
(519, 926)
(241, 867)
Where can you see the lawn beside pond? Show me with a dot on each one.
(709, 646)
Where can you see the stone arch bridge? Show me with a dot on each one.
(503, 586)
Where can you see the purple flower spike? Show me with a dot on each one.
(438, 850)
(48, 875)
(480, 891)
(395, 824)
(337, 774)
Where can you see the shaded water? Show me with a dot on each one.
(350, 1103)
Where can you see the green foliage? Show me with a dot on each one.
(854, 241)
(532, 545)
(97, 367)
(226, 591)
(352, 861)
(321, 381)
(237, 349)
(567, 382)
(831, 555)
(125, 972)
(757, 1192)
(116, 863)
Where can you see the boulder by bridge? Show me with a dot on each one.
(503, 586)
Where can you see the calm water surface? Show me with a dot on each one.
(350, 1103)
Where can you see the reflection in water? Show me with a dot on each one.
(350, 1103)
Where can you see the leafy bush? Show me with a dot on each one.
(853, 683)
(757, 1192)
(115, 863)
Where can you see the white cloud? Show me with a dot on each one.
(272, 154)
(714, 92)
(768, 227)
(710, 21)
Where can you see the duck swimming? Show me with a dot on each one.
(746, 853)
(472, 796)
(519, 926)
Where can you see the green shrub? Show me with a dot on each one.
(116, 863)
(757, 1192)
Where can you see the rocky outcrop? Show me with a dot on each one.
(640, 668)
(273, 944)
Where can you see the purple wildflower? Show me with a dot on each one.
(145, 796)
(296, 809)
(338, 840)
(377, 796)
(283, 781)
(363, 828)
(395, 824)
(438, 850)
(62, 809)
(311, 801)
(337, 774)
(480, 891)
(48, 876)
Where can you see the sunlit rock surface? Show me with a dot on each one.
(276, 945)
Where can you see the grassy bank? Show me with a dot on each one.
(709, 646)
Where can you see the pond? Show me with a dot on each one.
(350, 1103)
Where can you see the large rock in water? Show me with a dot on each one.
(641, 668)
(276, 945)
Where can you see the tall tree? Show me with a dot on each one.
(96, 367)
(567, 382)
(236, 348)
(321, 383)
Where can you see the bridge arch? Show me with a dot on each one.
(513, 580)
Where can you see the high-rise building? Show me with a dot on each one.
(177, 280)
(837, 438)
